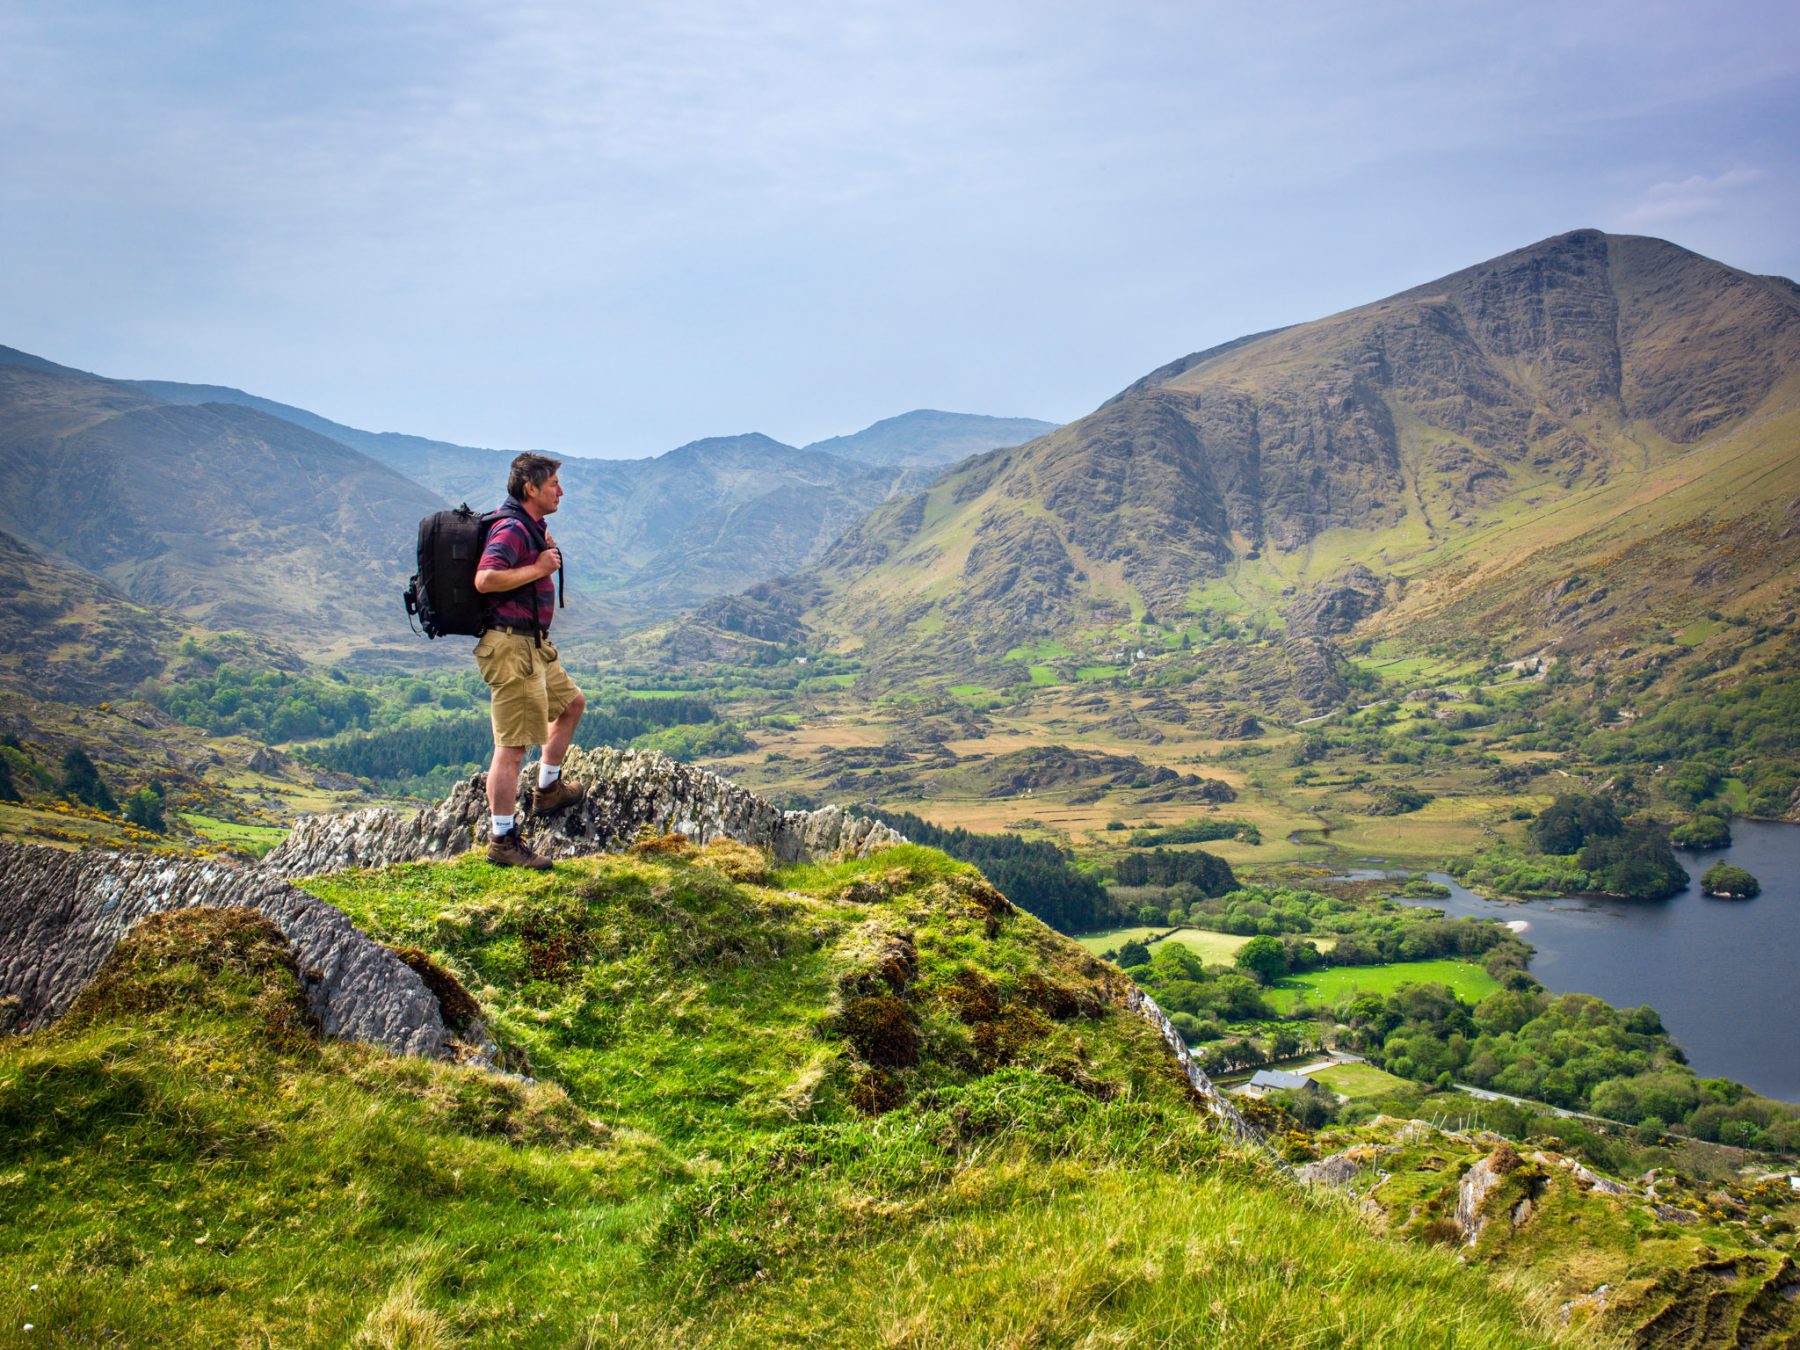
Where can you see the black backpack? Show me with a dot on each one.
(442, 592)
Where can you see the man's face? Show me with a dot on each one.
(545, 496)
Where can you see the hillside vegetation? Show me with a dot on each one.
(1570, 447)
(865, 1103)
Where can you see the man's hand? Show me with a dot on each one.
(548, 561)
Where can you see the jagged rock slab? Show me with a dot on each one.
(61, 915)
(1146, 1007)
(627, 792)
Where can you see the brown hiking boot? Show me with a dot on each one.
(562, 793)
(511, 850)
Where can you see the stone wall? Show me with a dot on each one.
(62, 913)
(627, 791)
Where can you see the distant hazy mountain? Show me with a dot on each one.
(221, 514)
(440, 465)
(648, 537)
(927, 437)
(644, 538)
(1561, 445)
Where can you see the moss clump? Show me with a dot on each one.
(877, 1091)
(456, 1004)
(974, 997)
(1001, 1040)
(881, 1029)
(740, 862)
(674, 845)
(232, 961)
(1057, 1000)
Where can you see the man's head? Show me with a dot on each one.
(532, 483)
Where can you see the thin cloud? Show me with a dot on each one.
(1693, 197)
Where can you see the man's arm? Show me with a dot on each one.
(511, 578)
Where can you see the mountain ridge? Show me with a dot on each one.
(645, 537)
(1417, 435)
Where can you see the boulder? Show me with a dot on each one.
(62, 913)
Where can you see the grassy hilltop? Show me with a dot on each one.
(867, 1102)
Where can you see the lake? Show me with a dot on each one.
(1721, 972)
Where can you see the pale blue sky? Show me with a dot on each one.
(607, 229)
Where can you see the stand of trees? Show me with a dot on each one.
(396, 756)
(1633, 859)
(81, 782)
(1206, 872)
(1038, 877)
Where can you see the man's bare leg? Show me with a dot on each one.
(503, 778)
(562, 732)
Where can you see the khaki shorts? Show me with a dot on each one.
(529, 686)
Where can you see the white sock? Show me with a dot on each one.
(502, 826)
(548, 773)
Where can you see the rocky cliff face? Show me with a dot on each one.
(1480, 399)
(628, 791)
(61, 914)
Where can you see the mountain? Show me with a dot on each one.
(1561, 446)
(447, 468)
(927, 437)
(649, 537)
(77, 637)
(645, 538)
(221, 514)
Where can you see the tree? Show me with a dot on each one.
(145, 808)
(1570, 821)
(1264, 958)
(81, 782)
(1735, 883)
(1705, 830)
(1133, 953)
(8, 793)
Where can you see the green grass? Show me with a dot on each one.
(1043, 675)
(252, 839)
(1046, 649)
(1101, 672)
(1470, 982)
(1360, 1080)
(184, 1165)
(1696, 633)
(1116, 937)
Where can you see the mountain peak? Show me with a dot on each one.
(930, 436)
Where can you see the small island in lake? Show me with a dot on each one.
(1729, 883)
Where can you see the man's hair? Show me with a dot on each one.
(529, 469)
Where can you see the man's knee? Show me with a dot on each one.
(573, 709)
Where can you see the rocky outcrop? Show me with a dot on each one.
(1477, 1184)
(1336, 606)
(61, 915)
(1216, 1102)
(1340, 1169)
(628, 791)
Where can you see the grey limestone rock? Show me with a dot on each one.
(1340, 1169)
(61, 915)
(627, 791)
(1146, 1007)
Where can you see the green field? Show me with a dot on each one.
(255, 839)
(1358, 1080)
(1470, 981)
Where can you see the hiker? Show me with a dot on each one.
(534, 700)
